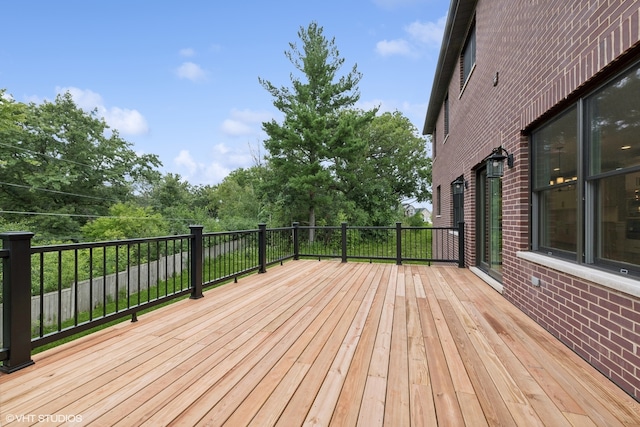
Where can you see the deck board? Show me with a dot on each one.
(323, 343)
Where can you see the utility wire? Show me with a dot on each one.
(66, 193)
(46, 155)
(55, 191)
(93, 216)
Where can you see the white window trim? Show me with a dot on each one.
(626, 285)
(466, 82)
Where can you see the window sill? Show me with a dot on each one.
(619, 283)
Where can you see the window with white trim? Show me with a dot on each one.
(446, 115)
(468, 56)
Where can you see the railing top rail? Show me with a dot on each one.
(429, 228)
(104, 244)
(280, 229)
(230, 233)
(369, 227)
(320, 227)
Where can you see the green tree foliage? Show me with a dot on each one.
(328, 160)
(303, 150)
(11, 113)
(236, 199)
(126, 221)
(389, 166)
(179, 203)
(67, 163)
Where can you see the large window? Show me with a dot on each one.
(468, 57)
(446, 115)
(555, 163)
(586, 178)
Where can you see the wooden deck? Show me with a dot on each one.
(322, 343)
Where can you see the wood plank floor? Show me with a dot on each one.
(322, 343)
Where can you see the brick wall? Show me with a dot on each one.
(545, 54)
(600, 324)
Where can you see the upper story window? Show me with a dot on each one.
(446, 115)
(434, 143)
(468, 57)
(586, 179)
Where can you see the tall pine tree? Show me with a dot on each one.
(314, 136)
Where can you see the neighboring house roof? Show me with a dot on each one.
(424, 210)
(461, 13)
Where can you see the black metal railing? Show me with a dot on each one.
(52, 292)
(400, 244)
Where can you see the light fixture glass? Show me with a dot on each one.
(495, 162)
(458, 186)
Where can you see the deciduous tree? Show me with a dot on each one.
(65, 165)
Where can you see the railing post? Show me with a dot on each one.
(296, 241)
(344, 242)
(17, 300)
(398, 243)
(461, 244)
(196, 261)
(262, 247)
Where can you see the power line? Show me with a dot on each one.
(55, 191)
(46, 155)
(93, 216)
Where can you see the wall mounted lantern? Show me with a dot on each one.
(458, 186)
(495, 162)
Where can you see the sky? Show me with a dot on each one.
(179, 79)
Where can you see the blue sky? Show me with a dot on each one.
(180, 78)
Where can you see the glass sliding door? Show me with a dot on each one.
(489, 225)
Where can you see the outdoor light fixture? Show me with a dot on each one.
(495, 162)
(458, 186)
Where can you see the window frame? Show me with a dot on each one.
(446, 115)
(589, 235)
(470, 42)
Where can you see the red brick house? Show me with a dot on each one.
(549, 92)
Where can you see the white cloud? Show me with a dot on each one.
(191, 71)
(84, 98)
(250, 116)
(199, 172)
(187, 52)
(419, 37)
(244, 122)
(394, 47)
(185, 160)
(235, 128)
(126, 121)
(429, 33)
(216, 172)
(221, 149)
